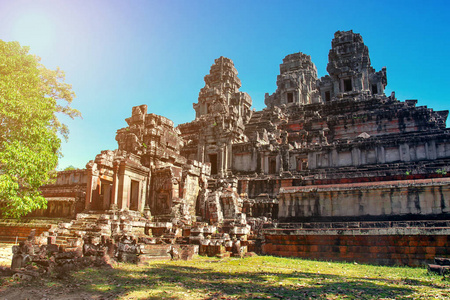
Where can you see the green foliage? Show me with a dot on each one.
(70, 168)
(30, 97)
(442, 172)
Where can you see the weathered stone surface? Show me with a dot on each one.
(296, 82)
(382, 199)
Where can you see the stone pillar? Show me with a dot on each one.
(279, 164)
(356, 153)
(334, 158)
(221, 162)
(263, 163)
(358, 83)
(142, 195)
(230, 157)
(336, 86)
(381, 155)
(115, 185)
(312, 164)
(404, 152)
(201, 152)
(431, 149)
(124, 187)
(92, 190)
(148, 191)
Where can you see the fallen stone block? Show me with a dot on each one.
(145, 258)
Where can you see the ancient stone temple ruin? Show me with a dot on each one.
(329, 159)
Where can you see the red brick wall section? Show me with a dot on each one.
(9, 233)
(410, 250)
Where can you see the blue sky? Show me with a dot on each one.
(118, 54)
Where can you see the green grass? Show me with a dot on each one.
(262, 277)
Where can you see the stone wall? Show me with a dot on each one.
(360, 200)
(9, 232)
(405, 149)
(58, 207)
(66, 197)
(384, 246)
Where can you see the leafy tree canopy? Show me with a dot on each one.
(30, 98)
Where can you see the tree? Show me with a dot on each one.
(70, 168)
(30, 98)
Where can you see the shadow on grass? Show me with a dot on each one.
(208, 280)
(172, 282)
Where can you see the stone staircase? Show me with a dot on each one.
(212, 184)
(441, 266)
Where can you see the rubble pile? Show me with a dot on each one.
(98, 240)
(33, 259)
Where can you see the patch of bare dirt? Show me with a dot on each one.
(5, 254)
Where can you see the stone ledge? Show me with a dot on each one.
(361, 231)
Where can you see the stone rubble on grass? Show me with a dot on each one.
(98, 240)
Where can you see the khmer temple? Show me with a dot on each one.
(328, 159)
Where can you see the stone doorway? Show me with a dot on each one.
(272, 165)
(134, 195)
(213, 161)
(105, 196)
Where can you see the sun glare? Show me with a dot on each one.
(36, 30)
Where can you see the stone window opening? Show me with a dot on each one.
(290, 97)
(304, 165)
(348, 85)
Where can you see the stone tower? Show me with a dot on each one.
(350, 72)
(221, 114)
(221, 93)
(296, 84)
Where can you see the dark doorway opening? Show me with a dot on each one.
(347, 85)
(213, 161)
(272, 165)
(374, 89)
(327, 96)
(290, 97)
